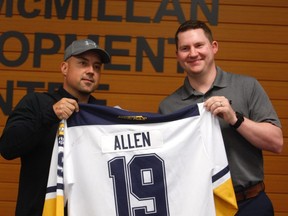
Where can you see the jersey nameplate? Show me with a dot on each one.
(131, 141)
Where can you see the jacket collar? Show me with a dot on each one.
(66, 94)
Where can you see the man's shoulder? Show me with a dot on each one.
(43, 96)
(233, 75)
(41, 99)
(174, 95)
(168, 104)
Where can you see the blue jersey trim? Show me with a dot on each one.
(91, 114)
(220, 174)
(53, 189)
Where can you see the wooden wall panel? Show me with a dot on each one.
(7, 208)
(252, 37)
(223, 32)
(126, 83)
(8, 172)
(276, 165)
(231, 12)
(270, 71)
(276, 183)
(10, 191)
(235, 49)
(279, 202)
(275, 3)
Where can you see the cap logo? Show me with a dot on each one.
(87, 43)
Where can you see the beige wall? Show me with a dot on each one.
(252, 36)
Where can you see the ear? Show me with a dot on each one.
(215, 47)
(64, 68)
(176, 53)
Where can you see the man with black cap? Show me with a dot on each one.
(30, 130)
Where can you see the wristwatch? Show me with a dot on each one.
(240, 119)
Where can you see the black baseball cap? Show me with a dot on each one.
(83, 45)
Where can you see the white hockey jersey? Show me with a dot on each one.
(125, 163)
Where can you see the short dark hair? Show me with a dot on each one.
(193, 24)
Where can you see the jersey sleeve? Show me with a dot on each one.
(54, 199)
(224, 196)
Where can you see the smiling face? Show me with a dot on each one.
(81, 74)
(195, 53)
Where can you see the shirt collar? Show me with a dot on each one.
(221, 81)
